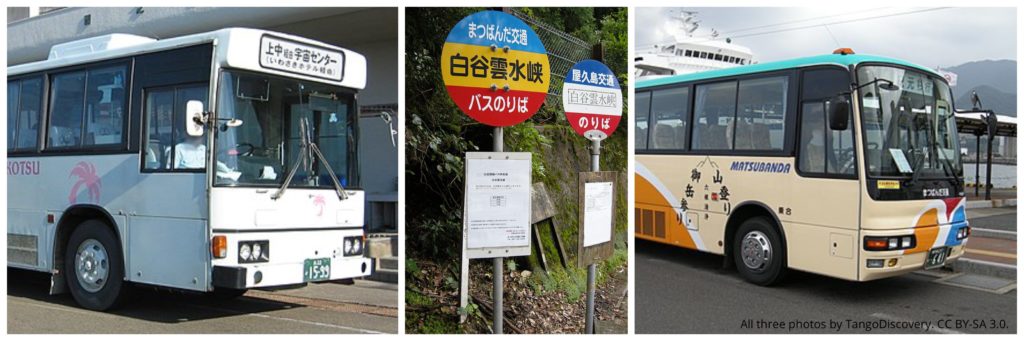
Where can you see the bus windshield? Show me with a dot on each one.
(262, 149)
(909, 129)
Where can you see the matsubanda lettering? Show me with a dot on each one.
(760, 167)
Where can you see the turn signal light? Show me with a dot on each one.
(219, 247)
(890, 243)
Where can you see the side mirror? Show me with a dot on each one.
(839, 114)
(194, 118)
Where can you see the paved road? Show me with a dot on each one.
(366, 307)
(682, 291)
(1001, 218)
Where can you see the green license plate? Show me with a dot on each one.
(316, 269)
(936, 257)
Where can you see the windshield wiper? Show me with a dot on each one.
(306, 140)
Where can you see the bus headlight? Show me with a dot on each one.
(890, 243)
(254, 251)
(244, 251)
(353, 246)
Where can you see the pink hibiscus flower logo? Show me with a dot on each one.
(86, 174)
(319, 202)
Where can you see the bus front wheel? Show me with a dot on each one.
(94, 266)
(758, 252)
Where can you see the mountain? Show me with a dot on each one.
(991, 99)
(994, 80)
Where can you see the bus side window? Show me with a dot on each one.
(671, 115)
(167, 146)
(812, 138)
(761, 113)
(714, 113)
(12, 112)
(105, 106)
(824, 151)
(159, 116)
(30, 104)
(643, 106)
(66, 110)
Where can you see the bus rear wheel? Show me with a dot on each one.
(758, 252)
(94, 267)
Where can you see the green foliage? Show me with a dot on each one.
(414, 298)
(411, 267)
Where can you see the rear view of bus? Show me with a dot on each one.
(842, 165)
(214, 162)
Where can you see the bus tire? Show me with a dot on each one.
(758, 252)
(94, 267)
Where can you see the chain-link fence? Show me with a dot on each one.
(563, 49)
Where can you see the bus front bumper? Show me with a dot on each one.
(291, 258)
(895, 263)
(275, 275)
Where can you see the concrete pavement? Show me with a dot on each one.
(364, 307)
(683, 291)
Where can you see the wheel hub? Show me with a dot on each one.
(91, 265)
(756, 251)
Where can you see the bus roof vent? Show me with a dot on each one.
(96, 44)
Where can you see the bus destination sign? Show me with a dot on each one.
(304, 59)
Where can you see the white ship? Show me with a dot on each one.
(687, 53)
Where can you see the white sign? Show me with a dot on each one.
(901, 160)
(949, 76)
(498, 201)
(303, 59)
(597, 213)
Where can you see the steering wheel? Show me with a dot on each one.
(245, 149)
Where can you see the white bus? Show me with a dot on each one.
(111, 181)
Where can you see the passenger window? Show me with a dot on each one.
(105, 106)
(12, 113)
(30, 104)
(761, 114)
(643, 108)
(671, 115)
(714, 112)
(66, 109)
(167, 144)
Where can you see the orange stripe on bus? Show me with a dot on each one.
(926, 231)
(649, 198)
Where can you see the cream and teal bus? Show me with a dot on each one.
(843, 165)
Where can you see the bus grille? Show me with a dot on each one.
(649, 223)
(22, 249)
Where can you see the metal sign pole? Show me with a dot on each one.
(595, 166)
(499, 316)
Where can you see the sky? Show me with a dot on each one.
(934, 37)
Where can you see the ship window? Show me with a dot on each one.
(703, 55)
(689, 53)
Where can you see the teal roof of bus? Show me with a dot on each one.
(828, 59)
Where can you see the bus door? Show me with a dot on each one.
(823, 236)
